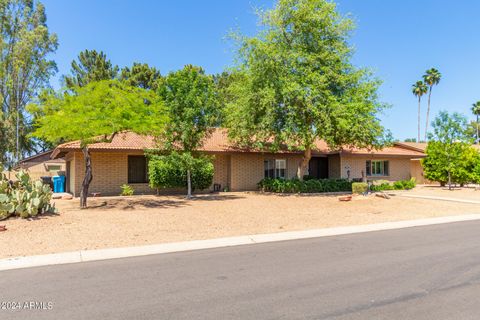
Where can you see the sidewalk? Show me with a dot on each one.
(104, 254)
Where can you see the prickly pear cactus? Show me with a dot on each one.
(24, 197)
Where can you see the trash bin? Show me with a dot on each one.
(58, 184)
(48, 181)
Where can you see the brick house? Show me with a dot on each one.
(122, 161)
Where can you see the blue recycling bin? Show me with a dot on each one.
(58, 184)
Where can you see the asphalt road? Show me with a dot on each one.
(416, 273)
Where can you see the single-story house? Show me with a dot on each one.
(122, 161)
(41, 165)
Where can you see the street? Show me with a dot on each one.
(428, 272)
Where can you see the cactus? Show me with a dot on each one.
(25, 198)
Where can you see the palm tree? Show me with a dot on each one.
(476, 112)
(431, 78)
(419, 89)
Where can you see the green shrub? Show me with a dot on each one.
(171, 171)
(404, 184)
(359, 187)
(127, 190)
(306, 186)
(24, 197)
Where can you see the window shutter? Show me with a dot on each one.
(386, 168)
(368, 168)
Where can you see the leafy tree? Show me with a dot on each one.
(170, 171)
(476, 112)
(91, 66)
(295, 83)
(431, 78)
(419, 89)
(141, 75)
(410, 140)
(96, 113)
(25, 68)
(449, 156)
(192, 106)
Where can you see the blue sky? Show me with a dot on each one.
(398, 39)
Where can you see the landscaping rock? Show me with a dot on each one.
(3, 228)
(67, 197)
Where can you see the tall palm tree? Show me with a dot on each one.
(431, 78)
(419, 89)
(476, 112)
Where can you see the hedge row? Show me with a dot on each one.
(305, 186)
(397, 185)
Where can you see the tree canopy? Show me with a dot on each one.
(295, 83)
(192, 106)
(96, 113)
(91, 66)
(450, 156)
(25, 68)
(141, 75)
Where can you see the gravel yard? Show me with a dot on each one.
(140, 220)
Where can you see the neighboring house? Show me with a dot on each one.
(122, 161)
(42, 165)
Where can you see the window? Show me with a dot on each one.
(377, 168)
(280, 168)
(275, 168)
(137, 169)
(269, 169)
(53, 168)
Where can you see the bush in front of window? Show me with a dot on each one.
(167, 172)
(306, 186)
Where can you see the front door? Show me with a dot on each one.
(318, 167)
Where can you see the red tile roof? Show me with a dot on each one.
(216, 142)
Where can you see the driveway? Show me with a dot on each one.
(428, 272)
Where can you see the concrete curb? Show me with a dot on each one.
(105, 254)
(436, 198)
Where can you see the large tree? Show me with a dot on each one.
(418, 90)
(295, 83)
(141, 75)
(191, 100)
(450, 157)
(25, 68)
(431, 78)
(91, 66)
(95, 113)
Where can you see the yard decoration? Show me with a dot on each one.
(3, 228)
(295, 83)
(96, 113)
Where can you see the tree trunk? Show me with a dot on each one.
(478, 139)
(303, 165)
(428, 112)
(449, 180)
(418, 134)
(189, 185)
(87, 179)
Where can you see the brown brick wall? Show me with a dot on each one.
(238, 171)
(399, 167)
(334, 171)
